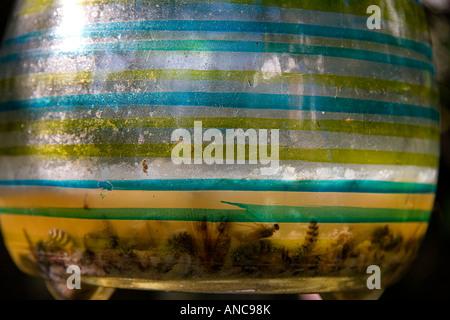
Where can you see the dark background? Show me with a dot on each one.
(428, 276)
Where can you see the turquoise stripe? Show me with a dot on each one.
(360, 186)
(250, 213)
(226, 46)
(330, 214)
(112, 29)
(228, 100)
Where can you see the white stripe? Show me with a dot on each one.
(36, 167)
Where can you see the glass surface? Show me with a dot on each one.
(346, 125)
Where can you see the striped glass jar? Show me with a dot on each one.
(229, 146)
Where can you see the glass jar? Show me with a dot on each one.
(217, 146)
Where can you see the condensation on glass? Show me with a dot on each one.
(92, 91)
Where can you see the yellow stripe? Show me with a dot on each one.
(76, 198)
(87, 78)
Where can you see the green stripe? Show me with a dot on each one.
(252, 213)
(402, 11)
(92, 126)
(360, 157)
(163, 150)
(87, 78)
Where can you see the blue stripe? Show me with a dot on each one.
(227, 100)
(360, 186)
(115, 28)
(225, 46)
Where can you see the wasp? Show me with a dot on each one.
(52, 257)
(254, 250)
(312, 234)
(52, 253)
(302, 259)
(252, 228)
(58, 237)
(105, 253)
(258, 256)
(253, 231)
(211, 242)
(384, 238)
